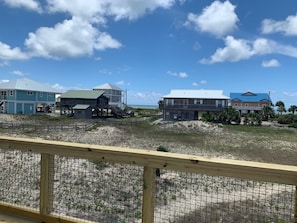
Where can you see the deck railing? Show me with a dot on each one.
(51, 181)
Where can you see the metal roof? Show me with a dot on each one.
(82, 94)
(198, 94)
(250, 97)
(27, 85)
(107, 86)
(81, 107)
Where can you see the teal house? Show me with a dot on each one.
(25, 96)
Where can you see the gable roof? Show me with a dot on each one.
(107, 86)
(82, 94)
(250, 97)
(202, 94)
(27, 85)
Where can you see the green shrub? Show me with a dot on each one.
(287, 119)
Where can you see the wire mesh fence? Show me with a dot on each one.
(101, 191)
(189, 198)
(98, 191)
(20, 177)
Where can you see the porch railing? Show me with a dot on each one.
(51, 181)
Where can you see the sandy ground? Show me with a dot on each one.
(75, 186)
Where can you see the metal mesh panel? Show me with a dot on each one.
(20, 177)
(98, 191)
(188, 198)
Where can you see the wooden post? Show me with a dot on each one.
(149, 179)
(295, 208)
(46, 184)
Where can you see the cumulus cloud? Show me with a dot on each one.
(80, 35)
(98, 10)
(270, 63)
(8, 53)
(72, 38)
(240, 49)
(217, 19)
(28, 4)
(180, 74)
(287, 27)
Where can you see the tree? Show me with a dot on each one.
(293, 109)
(267, 112)
(280, 107)
(230, 114)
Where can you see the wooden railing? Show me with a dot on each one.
(149, 160)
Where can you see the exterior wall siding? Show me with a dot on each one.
(20, 102)
(189, 109)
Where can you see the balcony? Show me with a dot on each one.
(50, 181)
(197, 107)
(248, 108)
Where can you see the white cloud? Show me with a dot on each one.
(120, 82)
(218, 19)
(8, 53)
(235, 50)
(72, 38)
(105, 71)
(195, 84)
(287, 27)
(240, 49)
(270, 63)
(78, 36)
(28, 4)
(19, 73)
(98, 10)
(143, 98)
(180, 74)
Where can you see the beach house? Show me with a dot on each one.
(113, 93)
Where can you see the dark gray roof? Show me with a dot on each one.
(82, 94)
(27, 85)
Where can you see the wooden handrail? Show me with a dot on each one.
(150, 160)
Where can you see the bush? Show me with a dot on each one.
(162, 149)
(207, 117)
(252, 119)
(293, 125)
(287, 119)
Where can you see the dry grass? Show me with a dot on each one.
(268, 143)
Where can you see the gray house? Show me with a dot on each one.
(113, 93)
(82, 102)
(187, 104)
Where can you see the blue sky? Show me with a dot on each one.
(150, 47)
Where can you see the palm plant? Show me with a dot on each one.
(267, 112)
(280, 107)
(293, 109)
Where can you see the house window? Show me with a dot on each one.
(10, 93)
(41, 94)
(169, 102)
(29, 93)
(198, 101)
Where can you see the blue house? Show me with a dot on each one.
(25, 96)
(250, 102)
